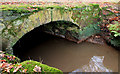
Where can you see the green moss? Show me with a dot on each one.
(21, 8)
(24, 8)
(30, 64)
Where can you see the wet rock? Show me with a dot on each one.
(97, 39)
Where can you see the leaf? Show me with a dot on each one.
(1, 65)
(37, 69)
(114, 32)
(118, 34)
(25, 70)
(2, 55)
(11, 66)
(19, 66)
(7, 69)
(2, 60)
(78, 15)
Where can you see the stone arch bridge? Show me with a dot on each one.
(81, 21)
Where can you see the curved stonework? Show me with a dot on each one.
(84, 17)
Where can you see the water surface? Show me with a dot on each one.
(69, 56)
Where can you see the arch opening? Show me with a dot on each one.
(45, 45)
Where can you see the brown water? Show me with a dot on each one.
(69, 56)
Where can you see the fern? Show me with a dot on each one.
(115, 42)
(114, 28)
(115, 33)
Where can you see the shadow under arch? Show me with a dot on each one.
(38, 36)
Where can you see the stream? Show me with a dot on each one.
(65, 55)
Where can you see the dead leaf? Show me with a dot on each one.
(37, 69)
(1, 65)
(2, 60)
(7, 69)
(2, 55)
(25, 70)
(19, 66)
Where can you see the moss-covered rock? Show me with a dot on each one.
(30, 66)
(10, 63)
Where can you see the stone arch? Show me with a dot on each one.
(79, 16)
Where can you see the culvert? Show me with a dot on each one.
(64, 54)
